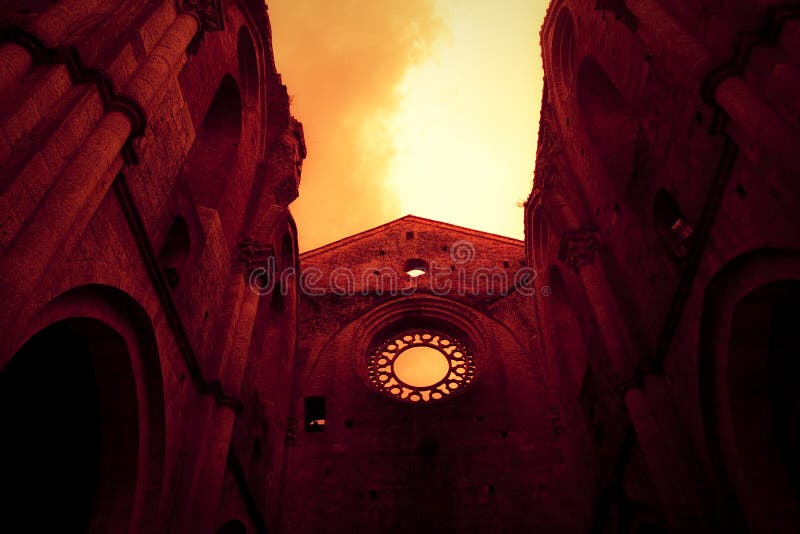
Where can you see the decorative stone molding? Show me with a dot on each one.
(457, 366)
(81, 74)
(210, 13)
(775, 17)
(578, 247)
(210, 16)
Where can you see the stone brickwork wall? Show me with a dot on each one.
(635, 358)
(117, 118)
(667, 159)
(485, 459)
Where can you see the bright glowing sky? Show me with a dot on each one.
(428, 107)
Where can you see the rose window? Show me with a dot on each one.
(421, 366)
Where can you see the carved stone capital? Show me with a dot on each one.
(578, 247)
(253, 255)
(210, 17)
(209, 12)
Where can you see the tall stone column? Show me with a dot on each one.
(665, 447)
(15, 61)
(212, 459)
(689, 60)
(69, 205)
(50, 28)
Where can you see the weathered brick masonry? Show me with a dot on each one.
(631, 366)
(148, 158)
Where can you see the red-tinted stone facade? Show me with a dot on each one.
(169, 363)
(148, 158)
(663, 222)
(481, 457)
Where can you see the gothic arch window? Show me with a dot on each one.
(563, 48)
(175, 251)
(541, 238)
(214, 153)
(748, 373)
(248, 66)
(763, 372)
(608, 122)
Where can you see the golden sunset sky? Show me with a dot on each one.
(427, 107)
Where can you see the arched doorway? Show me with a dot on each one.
(68, 413)
(762, 375)
(748, 373)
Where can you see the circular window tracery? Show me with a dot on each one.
(421, 365)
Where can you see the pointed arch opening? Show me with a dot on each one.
(748, 373)
(608, 122)
(68, 411)
(248, 66)
(213, 156)
(563, 49)
(763, 371)
(175, 251)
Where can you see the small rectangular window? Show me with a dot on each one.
(315, 414)
(409, 235)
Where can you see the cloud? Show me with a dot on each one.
(343, 63)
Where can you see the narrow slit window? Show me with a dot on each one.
(315, 414)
